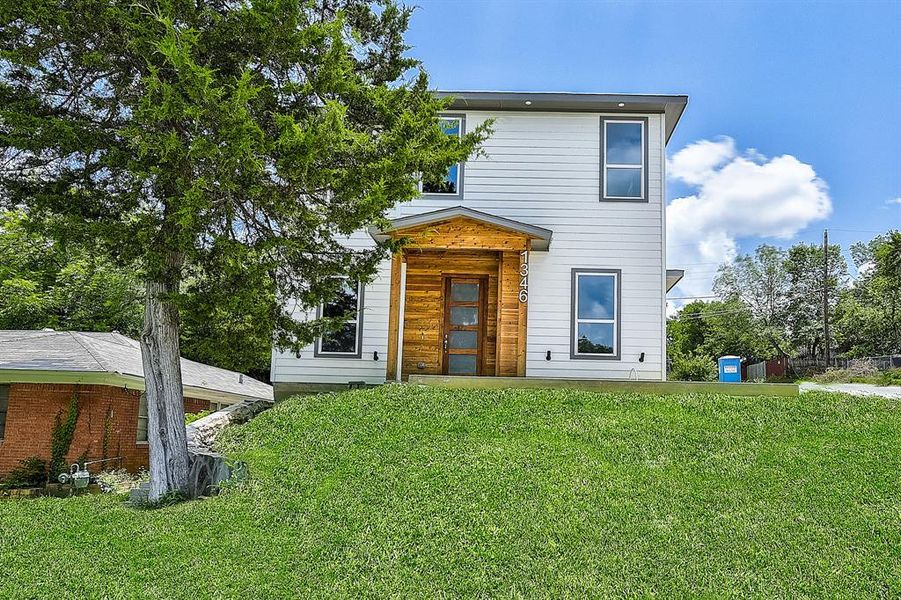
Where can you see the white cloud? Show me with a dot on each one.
(696, 163)
(735, 196)
(894, 200)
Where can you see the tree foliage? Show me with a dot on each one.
(868, 315)
(772, 305)
(762, 283)
(804, 264)
(223, 147)
(714, 329)
(45, 282)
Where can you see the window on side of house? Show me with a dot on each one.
(452, 184)
(347, 341)
(623, 158)
(143, 419)
(595, 320)
(4, 407)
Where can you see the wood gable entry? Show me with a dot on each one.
(454, 249)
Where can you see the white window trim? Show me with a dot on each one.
(643, 124)
(616, 274)
(461, 121)
(358, 323)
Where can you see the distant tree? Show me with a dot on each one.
(46, 282)
(804, 265)
(227, 147)
(761, 282)
(64, 285)
(868, 315)
(715, 329)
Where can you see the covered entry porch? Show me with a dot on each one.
(459, 294)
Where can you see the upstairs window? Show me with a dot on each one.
(347, 341)
(595, 309)
(143, 419)
(4, 406)
(452, 184)
(623, 159)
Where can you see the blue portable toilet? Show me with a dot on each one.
(730, 369)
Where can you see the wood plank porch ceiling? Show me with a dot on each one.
(464, 228)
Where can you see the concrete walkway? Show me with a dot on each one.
(855, 389)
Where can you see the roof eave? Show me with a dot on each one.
(671, 105)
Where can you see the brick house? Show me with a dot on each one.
(42, 371)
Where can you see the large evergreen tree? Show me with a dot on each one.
(226, 146)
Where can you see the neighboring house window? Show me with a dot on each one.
(595, 313)
(4, 407)
(452, 184)
(348, 340)
(624, 154)
(143, 419)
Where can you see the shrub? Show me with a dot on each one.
(693, 367)
(191, 417)
(858, 371)
(890, 377)
(31, 472)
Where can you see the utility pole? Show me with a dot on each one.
(826, 296)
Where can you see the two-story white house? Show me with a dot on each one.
(544, 258)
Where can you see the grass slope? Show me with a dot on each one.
(410, 491)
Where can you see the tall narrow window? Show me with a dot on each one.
(452, 184)
(347, 341)
(143, 419)
(595, 314)
(4, 407)
(623, 159)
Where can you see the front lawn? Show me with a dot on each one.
(411, 491)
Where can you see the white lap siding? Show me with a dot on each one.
(288, 368)
(543, 169)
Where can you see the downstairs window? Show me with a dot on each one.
(347, 342)
(595, 314)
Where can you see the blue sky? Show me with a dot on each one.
(820, 82)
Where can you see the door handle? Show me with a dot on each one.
(445, 342)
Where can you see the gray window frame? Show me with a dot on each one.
(617, 318)
(460, 165)
(645, 196)
(318, 353)
(4, 408)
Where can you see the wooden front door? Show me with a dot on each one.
(464, 325)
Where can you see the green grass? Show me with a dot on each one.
(421, 492)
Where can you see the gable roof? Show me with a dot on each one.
(97, 357)
(541, 237)
(671, 105)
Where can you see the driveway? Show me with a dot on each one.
(855, 389)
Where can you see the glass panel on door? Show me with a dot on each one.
(463, 326)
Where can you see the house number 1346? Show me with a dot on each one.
(524, 276)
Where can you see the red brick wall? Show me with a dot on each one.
(33, 409)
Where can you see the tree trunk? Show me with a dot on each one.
(165, 399)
